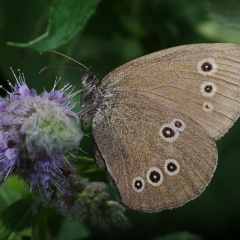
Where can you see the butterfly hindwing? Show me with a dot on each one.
(130, 141)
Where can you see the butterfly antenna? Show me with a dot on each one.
(46, 67)
(50, 66)
(53, 51)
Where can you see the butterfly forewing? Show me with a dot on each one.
(175, 78)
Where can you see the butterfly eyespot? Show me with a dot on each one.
(207, 66)
(207, 107)
(168, 133)
(208, 89)
(178, 124)
(138, 184)
(154, 176)
(171, 167)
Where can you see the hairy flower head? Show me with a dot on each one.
(35, 132)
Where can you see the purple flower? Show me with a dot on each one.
(35, 133)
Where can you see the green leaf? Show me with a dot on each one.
(7, 196)
(71, 229)
(66, 19)
(87, 168)
(16, 218)
(227, 12)
(11, 191)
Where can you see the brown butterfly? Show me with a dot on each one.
(155, 121)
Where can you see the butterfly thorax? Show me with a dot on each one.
(96, 101)
(91, 97)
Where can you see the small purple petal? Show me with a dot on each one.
(3, 104)
(4, 164)
(46, 176)
(33, 176)
(24, 90)
(45, 95)
(2, 148)
(69, 192)
(16, 88)
(33, 92)
(44, 163)
(2, 136)
(14, 97)
(11, 153)
(57, 94)
(45, 185)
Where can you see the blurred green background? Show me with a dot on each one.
(105, 34)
